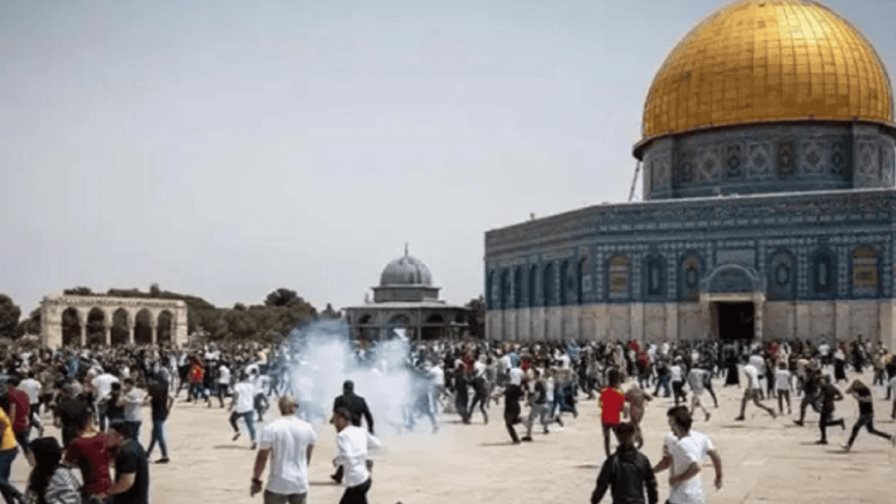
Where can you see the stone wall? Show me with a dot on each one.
(814, 320)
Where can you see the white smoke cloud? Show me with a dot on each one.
(324, 356)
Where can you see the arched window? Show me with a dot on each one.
(655, 277)
(864, 270)
(491, 298)
(564, 282)
(517, 287)
(824, 273)
(689, 273)
(618, 268)
(547, 285)
(580, 279)
(505, 289)
(533, 271)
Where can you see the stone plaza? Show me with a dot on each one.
(765, 460)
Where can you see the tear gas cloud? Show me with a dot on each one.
(321, 356)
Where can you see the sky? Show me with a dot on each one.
(225, 148)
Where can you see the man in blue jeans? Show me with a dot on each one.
(243, 405)
(160, 402)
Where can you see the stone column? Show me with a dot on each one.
(758, 312)
(83, 336)
(107, 333)
(672, 321)
(706, 319)
(636, 322)
(51, 325)
(841, 321)
(154, 330)
(131, 325)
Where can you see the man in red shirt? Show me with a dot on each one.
(91, 453)
(19, 415)
(612, 401)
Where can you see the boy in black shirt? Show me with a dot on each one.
(829, 394)
(114, 406)
(160, 402)
(866, 413)
(627, 473)
(131, 484)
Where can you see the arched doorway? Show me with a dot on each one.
(434, 328)
(164, 327)
(365, 332)
(71, 327)
(96, 327)
(400, 324)
(143, 328)
(734, 296)
(120, 329)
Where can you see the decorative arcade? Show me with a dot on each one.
(68, 320)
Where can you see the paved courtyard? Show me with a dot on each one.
(764, 460)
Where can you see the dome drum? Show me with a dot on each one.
(769, 158)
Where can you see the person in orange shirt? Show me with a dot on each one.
(8, 451)
(612, 402)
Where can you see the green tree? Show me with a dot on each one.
(282, 297)
(476, 317)
(78, 291)
(30, 325)
(9, 316)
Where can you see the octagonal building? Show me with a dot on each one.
(767, 151)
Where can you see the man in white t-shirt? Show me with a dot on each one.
(751, 393)
(676, 377)
(103, 386)
(437, 380)
(31, 387)
(683, 453)
(288, 442)
(696, 381)
(223, 383)
(783, 386)
(516, 376)
(758, 362)
(243, 405)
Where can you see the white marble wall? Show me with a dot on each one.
(656, 321)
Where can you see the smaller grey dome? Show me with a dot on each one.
(406, 270)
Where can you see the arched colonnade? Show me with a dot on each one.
(68, 320)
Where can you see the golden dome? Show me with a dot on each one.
(759, 61)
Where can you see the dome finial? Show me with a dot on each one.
(405, 248)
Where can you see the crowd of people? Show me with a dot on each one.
(98, 397)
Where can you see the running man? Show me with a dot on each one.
(697, 378)
(866, 414)
(752, 392)
(288, 442)
(243, 405)
(612, 402)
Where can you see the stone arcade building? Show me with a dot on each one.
(119, 320)
(769, 212)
